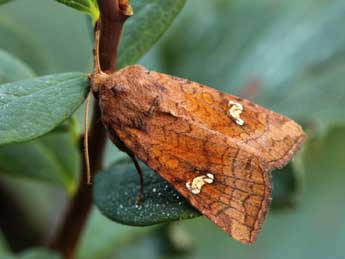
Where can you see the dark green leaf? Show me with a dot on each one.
(4, 249)
(4, 1)
(116, 190)
(12, 69)
(52, 158)
(287, 183)
(150, 20)
(31, 108)
(87, 6)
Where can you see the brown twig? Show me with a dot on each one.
(67, 237)
(113, 15)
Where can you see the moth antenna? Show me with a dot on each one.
(86, 138)
(96, 61)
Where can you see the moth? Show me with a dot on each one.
(215, 149)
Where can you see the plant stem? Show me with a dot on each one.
(113, 15)
(68, 234)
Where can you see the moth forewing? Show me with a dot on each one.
(217, 150)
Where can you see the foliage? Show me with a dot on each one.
(116, 190)
(4, 1)
(87, 6)
(33, 107)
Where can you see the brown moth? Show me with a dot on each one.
(215, 149)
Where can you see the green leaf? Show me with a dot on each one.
(12, 69)
(4, 249)
(116, 190)
(4, 1)
(150, 20)
(110, 237)
(287, 187)
(38, 253)
(52, 158)
(31, 108)
(317, 97)
(87, 6)
(21, 30)
(34, 253)
(18, 41)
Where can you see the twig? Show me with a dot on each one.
(113, 15)
(68, 234)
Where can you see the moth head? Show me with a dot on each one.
(97, 80)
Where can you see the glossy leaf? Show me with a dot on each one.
(87, 6)
(12, 69)
(31, 108)
(116, 190)
(150, 20)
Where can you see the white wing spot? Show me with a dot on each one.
(235, 110)
(195, 185)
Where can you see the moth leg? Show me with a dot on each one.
(141, 177)
(156, 101)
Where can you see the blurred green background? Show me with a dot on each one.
(287, 55)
